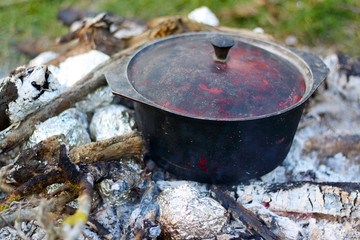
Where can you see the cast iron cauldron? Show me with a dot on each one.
(216, 115)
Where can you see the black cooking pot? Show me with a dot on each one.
(218, 118)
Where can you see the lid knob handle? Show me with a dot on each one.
(222, 46)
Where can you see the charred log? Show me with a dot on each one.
(245, 215)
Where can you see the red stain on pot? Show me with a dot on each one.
(202, 163)
(280, 140)
(212, 90)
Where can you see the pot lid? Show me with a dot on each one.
(184, 75)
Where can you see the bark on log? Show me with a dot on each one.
(336, 199)
(44, 156)
(113, 148)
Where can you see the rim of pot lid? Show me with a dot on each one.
(215, 76)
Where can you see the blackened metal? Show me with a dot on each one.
(222, 46)
(211, 148)
(217, 151)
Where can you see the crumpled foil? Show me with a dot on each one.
(186, 214)
(111, 121)
(72, 123)
(116, 190)
(36, 87)
(101, 97)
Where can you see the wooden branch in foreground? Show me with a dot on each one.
(245, 215)
(44, 156)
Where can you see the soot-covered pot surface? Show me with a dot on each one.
(217, 107)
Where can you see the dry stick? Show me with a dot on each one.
(8, 217)
(245, 215)
(34, 185)
(75, 224)
(109, 149)
(44, 156)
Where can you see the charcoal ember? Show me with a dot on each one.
(71, 123)
(110, 121)
(143, 217)
(101, 97)
(186, 214)
(283, 227)
(117, 189)
(108, 217)
(74, 68)
(8, 93)
(351, 66)
(26, 90)
(135, 214)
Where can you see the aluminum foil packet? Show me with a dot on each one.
(110, 121)
(72, 123)
(187, 214)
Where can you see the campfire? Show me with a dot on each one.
(75, 166)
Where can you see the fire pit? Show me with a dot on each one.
(312, 194)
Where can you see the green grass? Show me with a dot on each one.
(313, 22)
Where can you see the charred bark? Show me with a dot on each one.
(245, 215)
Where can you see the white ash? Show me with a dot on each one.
(283, 227)
(323, 229)
(308, 198)
(201, 187)
(133, 216)
(74, 68)
(72, 123)
(204, 15)
(186, 214)
(278, 175)
(29, 230)
(107, 215)
(101, 97)
(43, 58)
(111, 121)
(36, 87)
